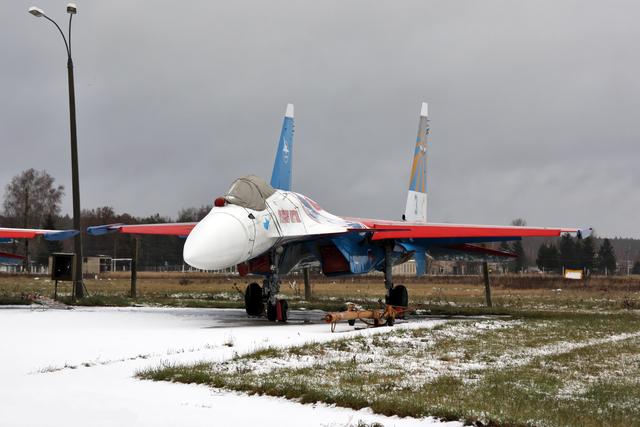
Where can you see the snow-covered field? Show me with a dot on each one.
(76, 367)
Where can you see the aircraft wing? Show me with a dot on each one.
(10, 259)
(30, 233)
(181, 229)
(462, 233)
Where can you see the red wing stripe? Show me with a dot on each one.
(454, 231)
(17, 234)
(180, 229)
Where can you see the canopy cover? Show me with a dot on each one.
(250, 192)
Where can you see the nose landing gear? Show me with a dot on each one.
(254, 303)
(256, 296)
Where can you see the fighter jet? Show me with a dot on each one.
(266, 229)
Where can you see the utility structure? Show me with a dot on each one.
(71, 10)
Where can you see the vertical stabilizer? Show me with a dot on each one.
(281, 175)
(416, 208)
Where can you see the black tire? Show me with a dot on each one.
(398, 297)
(390, 321)
(284, 309)
(351, 322)
(271, 312)
(253, 300)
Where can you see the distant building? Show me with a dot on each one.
(96, 264)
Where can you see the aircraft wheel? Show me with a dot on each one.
(272, 313)
(253, 300)
(278, 312)
(282, 310)
(351, 322)
(398, 296)
(390, 321)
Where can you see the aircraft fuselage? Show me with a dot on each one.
(230, 235)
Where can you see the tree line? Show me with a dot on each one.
(32, 200)
(571, 253)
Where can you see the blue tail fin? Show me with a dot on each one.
(281, 175)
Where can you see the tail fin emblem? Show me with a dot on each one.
(285, 151)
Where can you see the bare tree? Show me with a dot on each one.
(29, 199)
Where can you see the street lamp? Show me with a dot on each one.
(78, 284)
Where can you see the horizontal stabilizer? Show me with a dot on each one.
(479, 250)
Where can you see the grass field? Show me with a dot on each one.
(442, 294)
(564, 355)
(544, 370)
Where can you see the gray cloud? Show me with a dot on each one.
(533, 104)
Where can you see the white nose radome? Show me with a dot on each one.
(219, 241)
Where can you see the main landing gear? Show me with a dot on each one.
(397, 296)
(256, 296)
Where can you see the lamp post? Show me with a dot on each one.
(78, 284)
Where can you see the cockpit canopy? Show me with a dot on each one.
(250, 192)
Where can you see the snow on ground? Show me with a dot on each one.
(76, 367)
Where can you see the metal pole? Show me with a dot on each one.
(307, 284)
(487, 285)
(134, 267)
(79, 286)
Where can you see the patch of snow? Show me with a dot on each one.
(76, 367)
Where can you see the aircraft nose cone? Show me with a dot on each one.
(219, 241)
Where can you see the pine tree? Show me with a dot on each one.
(506, 262)
(541, 258)
(521, 262)
(568, 255)
(587, 254)
(607, 258)
(553, 262)
(547, 259)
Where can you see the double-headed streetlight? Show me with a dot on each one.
(71, 10)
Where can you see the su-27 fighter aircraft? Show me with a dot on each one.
(8, 234)
(267, 229)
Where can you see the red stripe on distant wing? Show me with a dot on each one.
(10, 256)
(163, 229)
(17, 234)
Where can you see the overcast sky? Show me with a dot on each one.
(534, 105)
